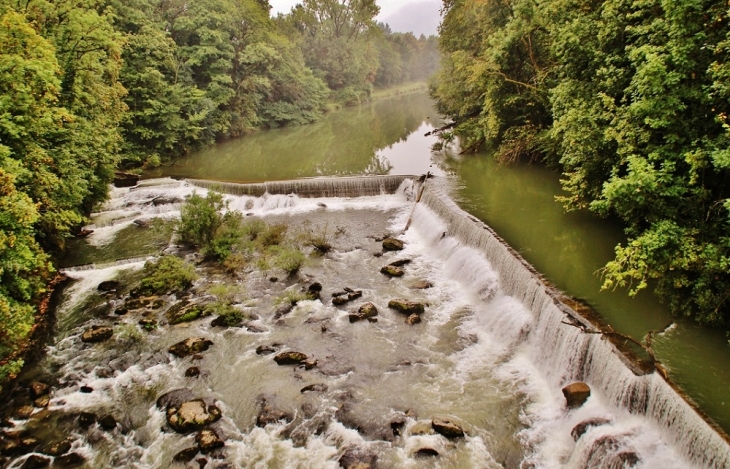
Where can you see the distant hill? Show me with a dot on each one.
(419, 18)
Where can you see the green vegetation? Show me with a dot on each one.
(630, 101)
(167, 274)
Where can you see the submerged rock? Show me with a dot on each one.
(392, 244)
(109, 285)
(266, 349)
(24, 412)
(392, 271)
(366, 311)
(174, 398)
(36, 461)
(96, 334)
(400, 262)
(447, 427)
(87, 419)
(421, 285)
(422, 427)
(208, 440)
(413, 319)
(62, 447)
(69, 460)
(192, 416)
(358, 458)
(270, 414)
(186, 455)
(406, 306)
(108, 423)
(340, 298)
(318, 387)
(290, 358)
(580, 429)
(576, 394)
(190, 346)
(192, 372)
(425, 452)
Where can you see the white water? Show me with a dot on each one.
(493, 353)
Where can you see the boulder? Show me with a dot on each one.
(186, 455)
(192, 372)
(87, 419)
(109, 285)
(392, 271)
(413, 319)
(192, 416)
(318, 387)
(576, 394)
(314, 291)
(406, 306)
(366, 311)
(269, 414)
(108, 422)
(86, 389)
(580, 429)
(447, 427)
(421, 285)
(185, 312)
(208, 440)
(96, 334)
(392, 244)
(62, 447)
(69, 460)
(125, 179)
(190, 346)
(36, 461)
(290, 358)
(400, 262)
(358, 458)
(425, 452)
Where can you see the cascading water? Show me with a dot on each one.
(495, 347)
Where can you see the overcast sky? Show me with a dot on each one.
(418, 16)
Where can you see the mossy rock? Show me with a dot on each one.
(97, 334)
(392, 244)
(185, 312)
(231, 319)
(406, 306)
(392, 271)
(290, 358)
(190, 346)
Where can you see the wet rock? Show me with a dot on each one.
(366, 311)
(142, 223)
(358, 458)
(576, 394)
(255, 329)
(186, 455)
(208, 440)
(400, 262)
(108, 286)
(421, 285)
(392, 244)
(97, 334)
(192, 372)
(447, 427)
(270, 414)
(149, 302)
(147, 324)
(290, 358)
(69, 460)
(425, 452)
(283, 310)
(398, 424)
(392, 271)
(125, 179)
(83, 233)
(174, 398)
(422, 427)
(266, 349)
(273, 279)
(42, 401)
(86, 419)
(86, 389)
(36, 461)
(62, 447)
(629, 459)
(108, 423)
(406, 306)
(314, 291)
(340, 298)
(166, 200)
(24, 412)
(190, 346)
(309, 363)
(185, 312)
(318, 387)
(580, 429)
(192, 416)
(413, 319)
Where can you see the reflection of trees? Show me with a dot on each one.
(343, 143)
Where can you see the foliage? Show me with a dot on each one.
(631, 100)
(288, 259)
(290, 297)
(167, 274)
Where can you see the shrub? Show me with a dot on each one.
(290, 260)
(168, 274)
(273, 235)
(200, 218)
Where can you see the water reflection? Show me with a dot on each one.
(385, 137)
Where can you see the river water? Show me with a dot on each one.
(387, 137)
(491, 354)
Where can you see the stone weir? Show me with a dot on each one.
(356, 186)
(568, 339)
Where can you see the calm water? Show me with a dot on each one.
(387, 137)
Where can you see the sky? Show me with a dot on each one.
(417, 16)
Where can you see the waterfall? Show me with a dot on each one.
(358, 186)
(566, 352)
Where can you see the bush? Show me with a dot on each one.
(290, 260)
(200, 218)
(168, 274)
(273, 235)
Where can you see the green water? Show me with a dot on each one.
(386, 137)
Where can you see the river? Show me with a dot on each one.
(387, 137)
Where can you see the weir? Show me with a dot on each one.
(566, 345)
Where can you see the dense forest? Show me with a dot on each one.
(91, 86)
(629, 100)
